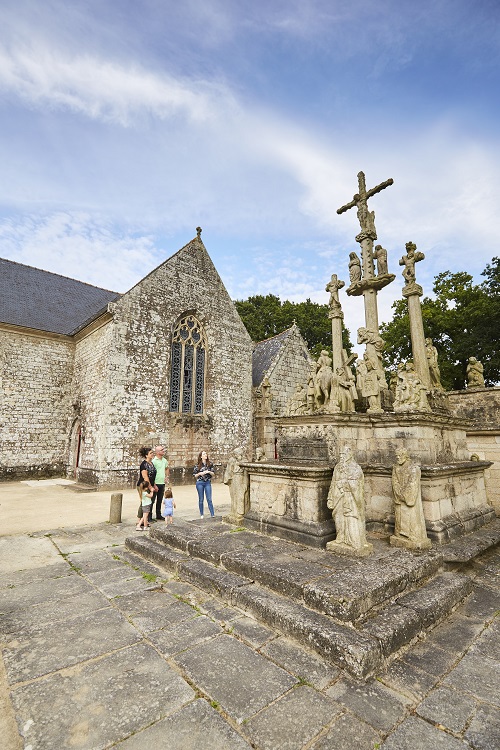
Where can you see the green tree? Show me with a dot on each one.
(267, 316)
(463, 320)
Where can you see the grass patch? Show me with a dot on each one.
(235, 531)
(149, 577)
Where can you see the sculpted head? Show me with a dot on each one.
(402, 455)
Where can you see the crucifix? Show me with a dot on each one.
(369, 284)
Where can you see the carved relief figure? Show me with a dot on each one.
(408, 261)
(432, 361)
(298, 402)
(266, 403)
(346, 500)
(409, 528)
(346, 401)
(366, 336)
(323, 379)
(354, 268)
(411, 393)
(380, 255)
(475, 371)
(236, 477)
(371, 387)
(311, 389)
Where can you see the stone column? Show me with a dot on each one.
(412, 292)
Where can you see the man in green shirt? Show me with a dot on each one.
(162, 478)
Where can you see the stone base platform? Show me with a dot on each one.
(356, 613)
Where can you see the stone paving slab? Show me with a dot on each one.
(349, 733)
(370, 701)
(184, 635)
(484, 730)
(478, 675)
(196, 726)
(66, 643)
(306, 666)
(234, 675)
(432, 659)
(449, 708)
(292, 721)
(18, 553)
(40, 591)
(95, 704)
(163, 617)
(415, 734)
(483, 603)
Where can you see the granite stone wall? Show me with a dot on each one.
(36, 406)
(291, 367)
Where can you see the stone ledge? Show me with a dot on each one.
(435, 600)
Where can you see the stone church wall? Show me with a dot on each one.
(36, 408)
(138, 361)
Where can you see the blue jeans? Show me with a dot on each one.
(205, 487)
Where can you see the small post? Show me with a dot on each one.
(115, 508)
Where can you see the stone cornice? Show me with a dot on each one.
(35, 333)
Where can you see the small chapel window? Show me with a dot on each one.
(187, 376)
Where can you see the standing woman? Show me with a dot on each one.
(203, 472)
(147, 473)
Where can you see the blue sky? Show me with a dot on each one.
(124, 125)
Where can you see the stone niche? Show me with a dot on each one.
(288, 496)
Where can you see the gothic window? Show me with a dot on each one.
(187, 375)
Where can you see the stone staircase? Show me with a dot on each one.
(356, 613)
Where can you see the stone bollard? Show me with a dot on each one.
(115, 508)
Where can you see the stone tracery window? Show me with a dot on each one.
(187, 372)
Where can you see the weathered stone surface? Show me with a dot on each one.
(179, 637)
(408, 680)
(228, 672)
(449, 708)
(104, 706)
(370, 701)
(158, 553)
(163, 617)
(437, 598)
(150, 600)
(196, 725)
(415, 734)
(292, 721)
(478, 675)
(394, 627)
(430, 658)
(349, 733)
(219, 612)
(212, 549)
(212, 579)
(67, 642)
(488, 643)
(483, 603)
(281, 573)
(42, 591)
(484, 730)
(456, 633)
(303, 664)
(251, 631)
(339, 645)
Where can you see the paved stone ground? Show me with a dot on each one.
(102, 649)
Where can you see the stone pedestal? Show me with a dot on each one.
(400, 541)
(412, 292)
(347, 551)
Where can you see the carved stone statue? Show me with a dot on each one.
(236, 478)
(409, 528)
(408, 261)
(432, 361)
(311, 389)
(333, 287)
(298, 402)
(366, 336)
(266, 402)
(323, 382)
(411, 393)
(346, 401)
(354, 268)
(260, 454)
(475, 371)
(380, 255)
(371, 386)
(346, 500)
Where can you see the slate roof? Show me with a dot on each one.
(46, 301)
(264, 354)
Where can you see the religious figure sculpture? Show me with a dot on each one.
(409, 528)
(354, 268)
(475, 369)
(236, 478)
(408, 261)
(333, 287)
(432, 361)
(411, 393)
(380, 255)
(298, 402)
(266, 403)
(371, 386)
(323, 382)
(311, 389)
(260, 454)
(346, 401)
(346, 500)
(366, 336)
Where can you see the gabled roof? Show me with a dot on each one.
(46, 301)
(265, 354)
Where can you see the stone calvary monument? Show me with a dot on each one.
(291, 488)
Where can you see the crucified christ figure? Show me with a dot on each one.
(360, 200)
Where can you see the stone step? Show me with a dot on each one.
(361, 649)
(465, 549)
(344, 588)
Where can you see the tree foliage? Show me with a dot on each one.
(463, 321)
(267, 316)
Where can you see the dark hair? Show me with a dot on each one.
(168, 492)
(199, 460)
(145, 483)
(144, 451)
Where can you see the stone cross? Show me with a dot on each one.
(408, 261)
(336, 315)
(360, 200)
(412, 291)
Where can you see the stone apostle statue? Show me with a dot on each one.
(475, 371)
(236, 478)
(432, 361)
(409, 530)
(346, 500)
